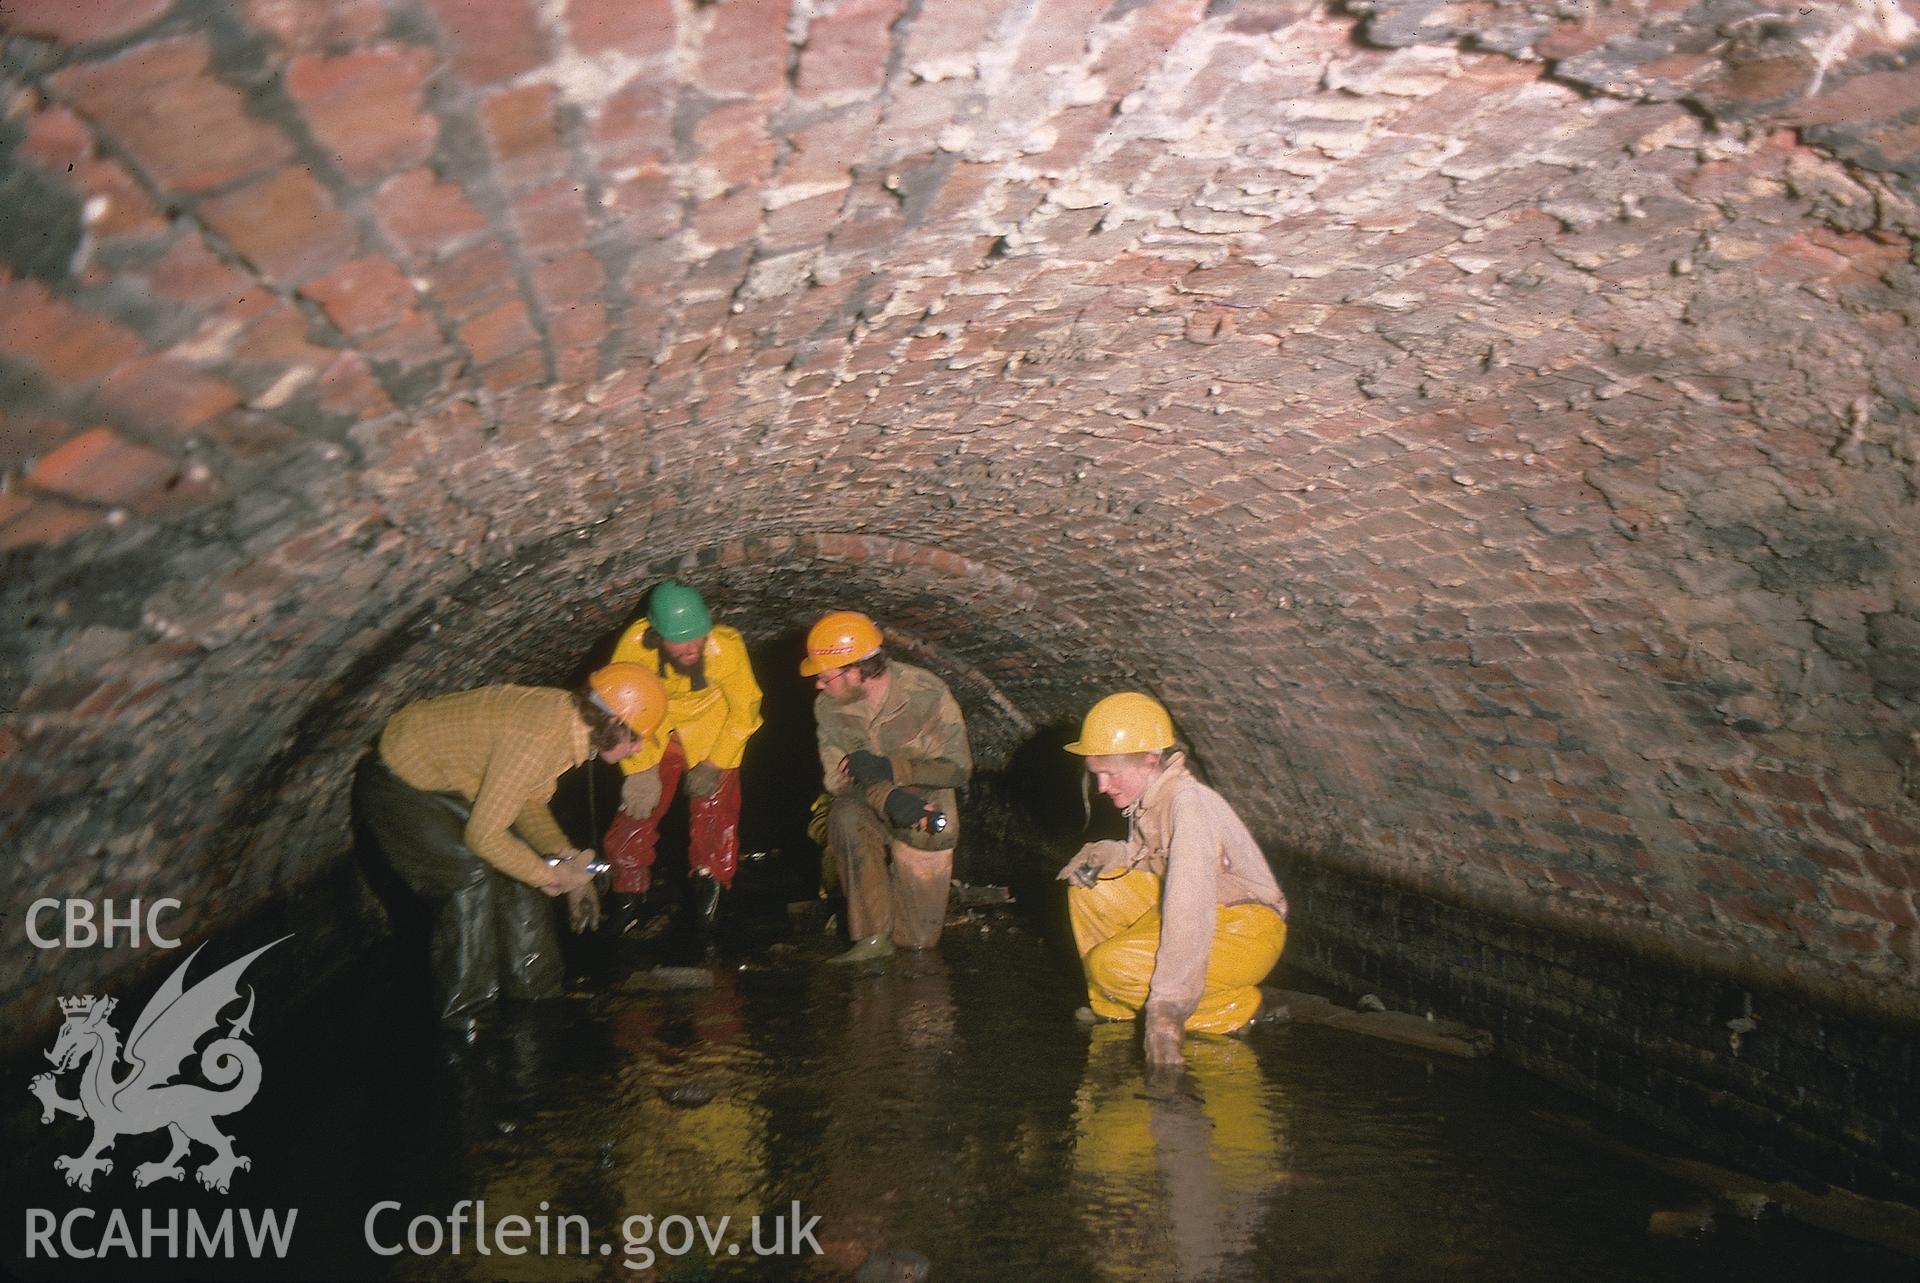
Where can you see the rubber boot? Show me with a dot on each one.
(871, 949)
(621, 912)
(706, 901)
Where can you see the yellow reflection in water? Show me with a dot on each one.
(1169, 1180)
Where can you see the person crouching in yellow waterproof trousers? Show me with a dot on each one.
(1182, 919)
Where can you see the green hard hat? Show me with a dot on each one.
(677, 613)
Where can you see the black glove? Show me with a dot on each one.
(906, 810)
(868, 768)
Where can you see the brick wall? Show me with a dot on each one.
(1491, 432)
(1724, 1057)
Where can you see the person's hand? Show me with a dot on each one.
(583, 908)
(867, 768)
(1163, 1043)
(910, 811)
(1083, 870)
(703, 779)
(640, 793)
(1079, 872)
(570, 874)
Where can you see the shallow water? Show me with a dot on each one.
(941, 1105)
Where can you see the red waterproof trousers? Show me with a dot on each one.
(713, 823)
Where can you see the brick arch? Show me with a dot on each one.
(1492, 435)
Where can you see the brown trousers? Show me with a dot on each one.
(893, 887)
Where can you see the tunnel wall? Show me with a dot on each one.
(1489, 428)
(1746, 1069)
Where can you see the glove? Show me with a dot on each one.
(640, 794)
(868, 768)
(703, 780)
(583, 909)
(907, 810)
(1080, 871)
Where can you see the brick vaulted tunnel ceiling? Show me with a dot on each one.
(1489, 426)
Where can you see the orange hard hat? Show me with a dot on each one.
(840, 638)
(632, 693)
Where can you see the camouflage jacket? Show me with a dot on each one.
(918, 729)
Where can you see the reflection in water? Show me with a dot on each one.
(607, 1149)
(1169, 1178)
(946, 1106)
(881, 1132)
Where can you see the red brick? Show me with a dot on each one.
(552, 219)
(636, 28)
(526, 369)
(645, 206)
(1901, 836)
(190, 272)
(187, 128)
(411, 339)
(1570, 38)
(635, 125)
(363, 295)
(279, 337)
(525, 136)
(1873, 96)
(474, 279)
(948, 27)
(348, 387)
(68, 345)
(125, 211)
(735, 145)
(493, 40)
(825, 152)
(575, 278)
(57, 139)
(164, 392)
(22, 436)
(286, 226)
(745, 50)
(304, 25)
(499, 333)
(1059, 32)
(101, 466)
(367, 107)
(808, 222)
(1791, 788)
(26, 522)
(577, 332)
(846, 51)
(426, 215)
(73, 22)
(730, 220)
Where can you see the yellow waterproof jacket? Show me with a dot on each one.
(715, 723)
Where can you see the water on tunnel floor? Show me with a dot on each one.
(944, 1105)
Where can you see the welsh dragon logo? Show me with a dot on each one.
(145, 1098)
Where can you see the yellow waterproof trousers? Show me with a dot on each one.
(1116, 927)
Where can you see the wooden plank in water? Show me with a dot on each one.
(1445, 1036)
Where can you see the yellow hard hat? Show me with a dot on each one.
(1125, 723)
(840, 638)
(632, 693)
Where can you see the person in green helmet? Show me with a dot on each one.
(713, 709)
